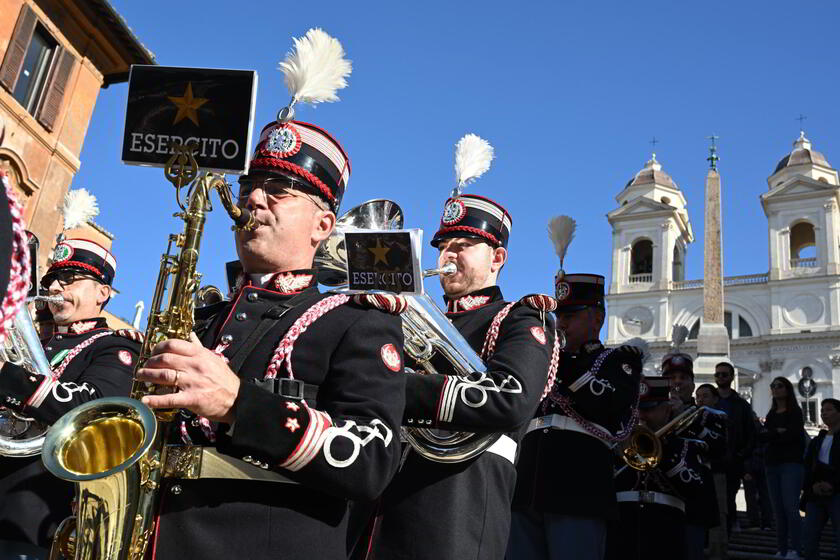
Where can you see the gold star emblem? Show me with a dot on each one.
(187, 105)
(379, 252)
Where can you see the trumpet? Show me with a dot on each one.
(643, 449)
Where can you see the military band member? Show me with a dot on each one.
(301, 384)
(565, 493)
(652, 502)
(711, 427)
(88, 361)
(462, 510)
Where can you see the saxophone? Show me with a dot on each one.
(114, 449)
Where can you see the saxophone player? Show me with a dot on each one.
(301, 384)
(88, 361)
(462, 510)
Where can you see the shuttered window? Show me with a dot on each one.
(36, 69)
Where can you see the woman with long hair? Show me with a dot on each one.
(785, 435)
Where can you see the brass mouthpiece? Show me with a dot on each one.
(445, 270)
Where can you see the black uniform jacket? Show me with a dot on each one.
(712, 427)
(343, 443)
(569, 472)
(462, 510)
(93, 361)
(647, 529)
(817, 471)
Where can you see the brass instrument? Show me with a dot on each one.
(21, 436)
(114, 448)
(431, 341)
(643, 448)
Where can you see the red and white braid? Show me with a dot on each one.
(552, 368)
(283, 352)
(492, 335)
(19, 268)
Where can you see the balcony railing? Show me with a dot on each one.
(728, 281)
(746, 279)
(810, 262)
(687, 284)
(641, 278)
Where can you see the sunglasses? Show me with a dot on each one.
(722, 374)
(65, 278)
(777, 385)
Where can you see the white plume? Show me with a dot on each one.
(561, 231)
(642, 345)
(316, 69)
(79, 207)
(473, 155)
(678, 336)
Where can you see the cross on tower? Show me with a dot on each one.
(713, 157)
(653, 142)
(801, 118)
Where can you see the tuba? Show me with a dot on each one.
(643, 449)
(432, 343)
(114, 448)
(21, 436)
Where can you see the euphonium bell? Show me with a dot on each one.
(430, 338)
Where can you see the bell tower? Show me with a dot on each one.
(651, 232)
(803, 220)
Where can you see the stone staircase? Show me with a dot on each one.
(755, 544)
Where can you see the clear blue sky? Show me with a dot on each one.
(569, 94)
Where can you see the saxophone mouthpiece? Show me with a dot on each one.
(244, 221)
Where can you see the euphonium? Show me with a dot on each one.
(114, 448)
(21, 436)
(643, 450)
(432, 343)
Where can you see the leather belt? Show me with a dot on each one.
(560, 422)
(191, 462)
(651, 498)
(504, 447)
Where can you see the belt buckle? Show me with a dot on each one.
(647, 497)
(540, 422)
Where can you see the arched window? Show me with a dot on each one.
(803, 246)
(678, 268)
(641, 261)
(744, 329)
(729, 319)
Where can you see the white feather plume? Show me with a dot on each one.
(316, 69)
(79, 207)
(473, 155)
(561, 231)
(678, 336)
(642, 345)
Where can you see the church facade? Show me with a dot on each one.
(782, 322)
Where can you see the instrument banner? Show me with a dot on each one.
(212, 108)
(384, 260)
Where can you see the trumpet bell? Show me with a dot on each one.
(643, 450)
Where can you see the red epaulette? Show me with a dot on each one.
(389, 303)
(540, 302)
(130, 334)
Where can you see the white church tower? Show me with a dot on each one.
(802, 215)
(651, 230)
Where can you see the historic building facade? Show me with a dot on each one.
(55, 57)
(784, 321)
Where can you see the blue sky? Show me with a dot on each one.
(568, 93)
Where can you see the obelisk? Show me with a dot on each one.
(713, 338)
